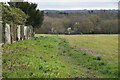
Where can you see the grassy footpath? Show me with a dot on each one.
(52, 56)
(104, 45)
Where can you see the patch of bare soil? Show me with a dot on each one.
(87, 50)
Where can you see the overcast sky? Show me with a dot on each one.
(74, 4)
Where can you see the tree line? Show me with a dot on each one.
(84, 22)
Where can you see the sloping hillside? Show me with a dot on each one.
(52, 56)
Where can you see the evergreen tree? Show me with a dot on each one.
(35, 16)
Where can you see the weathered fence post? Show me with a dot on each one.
(31, 32)
(1, 31)
(14, 32)
(21, 32)
(28, 30)
(18, 32)
(25, 32)
(7, 34)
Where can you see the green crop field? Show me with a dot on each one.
(62, 56)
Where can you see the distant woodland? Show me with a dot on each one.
(80, 22)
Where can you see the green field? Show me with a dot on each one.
(62, 56)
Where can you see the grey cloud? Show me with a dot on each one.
(55, 5)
